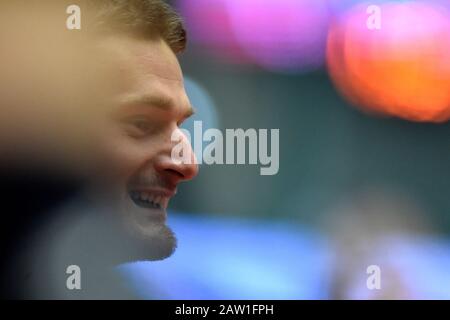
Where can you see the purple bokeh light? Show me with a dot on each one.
(279, 35)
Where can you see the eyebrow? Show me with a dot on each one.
(161, 102)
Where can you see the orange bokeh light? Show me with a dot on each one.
(401, 69)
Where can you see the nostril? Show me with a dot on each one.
(175, 173)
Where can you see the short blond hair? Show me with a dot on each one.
(147, 18)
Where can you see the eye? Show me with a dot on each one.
(139, 126)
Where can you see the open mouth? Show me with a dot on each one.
(149, 200)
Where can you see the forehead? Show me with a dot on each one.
(141, 66)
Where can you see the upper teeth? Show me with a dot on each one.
(150, 197)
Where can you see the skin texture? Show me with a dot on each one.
(148, 103)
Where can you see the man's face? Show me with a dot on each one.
(148, 103)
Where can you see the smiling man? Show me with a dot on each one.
(130, 47)
(148, 103)
(136, 43)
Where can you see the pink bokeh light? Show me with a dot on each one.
(284, 35)
(279, 35)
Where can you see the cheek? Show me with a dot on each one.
(124, 156)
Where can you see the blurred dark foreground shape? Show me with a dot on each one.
(52, 90)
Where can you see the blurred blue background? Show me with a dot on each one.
(353, 189)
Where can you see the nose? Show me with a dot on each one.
(179, 163)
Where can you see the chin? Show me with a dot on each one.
(135, 229)
(156, 244)
(147, 233)
(132, 244)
